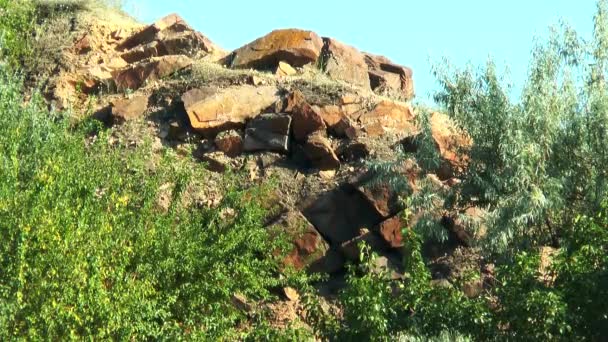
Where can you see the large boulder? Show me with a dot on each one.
(136, 75)
(308, 245)
(453, 145)
(390, 231)
(170, 35)
(389, 116)
(340, 214)
(386, 76)
(212, 110)
(293, 46)
(268, 132)
(344, 62)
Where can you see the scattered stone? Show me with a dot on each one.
(327, 174)
(164, 197)
(230, 142)
(136, 75)
(268, 132)
(344, 62)
(212, 110)
(305, 119)
(129, 109)
(284, 69)
(291, 294)
(320, 153)
(241, 302)
(295, 47)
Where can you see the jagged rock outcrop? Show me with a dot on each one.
(386, 76)
(344, 62)
(153, 69)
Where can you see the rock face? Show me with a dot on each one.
(344, 62)
(387, 76)
(134, 76)
(320, 153)
(296, 47)
(212, 110)
(390, 230)
(170, 35)
(305, 119)
(129, 109)
(268, 132)
(452, 143)
(308, 245)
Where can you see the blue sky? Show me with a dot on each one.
(409, 32)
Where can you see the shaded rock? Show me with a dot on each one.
(129, 109)
(340, 214)
(387, 76)
(241, 302)
(136, 75)
(215, 161)
(344, 62)
(212, 110)
(352, 151)
(332, 262)
(284, 69)
(173, 130)
(339, 120)
(291, 294)
(468, 225)
(305, 119)
(473, 288)
(230, 142)
(389, 116)
(352, 248)
(268, 132)
(320, 153)
(308, 245)
(453, 145)
(390, 231)
(296, 47)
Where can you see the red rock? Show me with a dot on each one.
(296, 47)
(129, 109)
(170, 35)
(389, 116)
(134, 76)
(212, 110)
(344, 62)
(453, 145)
(390, 230)
(320, 153)
(305, 120)
(386, 75)
(308, 245)
(230, 142)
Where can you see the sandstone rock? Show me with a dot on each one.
(338, 120)
(305, 120)
(291, 294)
(212, 109)
(230, 142)
(340, 214)
(453, 145)
(320, 153)
(129, 109)
(268, 132)
(136, 75)
(308, 245)
(344, 62)
(390, 231)
(386, 75)
(296, 47)
(170, 35)
(284, 69)
(389, 116)
(468, 226)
